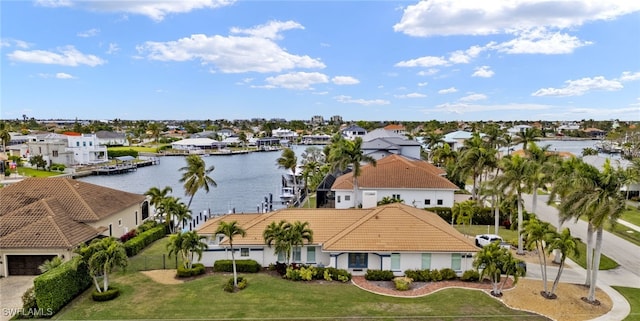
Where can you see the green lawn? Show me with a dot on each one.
(606, 263)
(30, 172)
(626, 233)
(269, 297)
(633, 296)
(154, 257)
(139, 149)
(631, 215)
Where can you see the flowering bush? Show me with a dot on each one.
(402, 283)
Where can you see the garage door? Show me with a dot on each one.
(26, 264)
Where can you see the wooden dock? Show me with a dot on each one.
(124, 167)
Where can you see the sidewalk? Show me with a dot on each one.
(629, 225)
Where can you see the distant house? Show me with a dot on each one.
(109, 138)
(595, 133)
(417, 183)
(381, 143)
(86, 149)
(396, 128)
(317, 120)
(197, 144)
(46, 217)
(515, 130)
(456, 139)
(68, 149)
(393, 237)
(353, 131)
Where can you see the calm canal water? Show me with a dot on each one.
(243, 180)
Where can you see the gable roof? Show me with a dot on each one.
(393, 227)
(53, 212)
(396, 171)
(380, 133)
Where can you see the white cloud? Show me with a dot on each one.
(271, 30)
(629, 76)
(422, 84)
(12, 42)
(465, 56)
(449, 90)
(62, 75)
(429, 72)
(349, 100)
(455, 17)
(344, 80)
(113, 48)
(66, 56)
(483, 71)
(229, 54)
(473, 97)
(411, 95)
(297, 80)
(154, 9)
(580, 87)
(89, 33)
(541, 41)
(427, 61)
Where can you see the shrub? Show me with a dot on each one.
(281, 268)
(119, 153)
(129, 235)
(402, 283)
(242, 283)
(147, 225)
(134, 245)
(196, 269)
(448, 274)
(435, 275)
(418, 275)
(470, 276)
(319, 273)
(29, 300)
(60, 285)
(333, 274)
(107, 295)
(379, 275)
(244, 266)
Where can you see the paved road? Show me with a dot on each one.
(625, 253)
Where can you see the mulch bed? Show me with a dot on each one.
(420, 288)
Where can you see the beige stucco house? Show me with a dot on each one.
(45, 217)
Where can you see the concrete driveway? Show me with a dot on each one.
(11, 290)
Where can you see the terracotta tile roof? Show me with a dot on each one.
(394, 127)
(53, 212)
(394, 227)
(211, 225)
(395, 171)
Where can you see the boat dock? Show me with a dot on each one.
(125, 167)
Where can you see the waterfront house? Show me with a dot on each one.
(393, 237)
(86, 148)
(109, 138)
(353, 131)
(197, 145)
(456, 139)
(46, 217)
(68, 149)
(416, 182)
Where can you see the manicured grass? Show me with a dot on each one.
(269, 297)
(633, 296)
(310, 202)
(606, 263)
(631, 215)
(155, 256)
(30, 172)
(626, 233)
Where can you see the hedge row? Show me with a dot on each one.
(134, 245)
(485, 215)
(59, 286)
(196, 269)
(119, 153)
(244, 266)
(379, 275)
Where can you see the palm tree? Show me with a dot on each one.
(541, 163)
(288, 160)
(195, 176)
(157, 195)
(527, 136)
(155, 129)
(432, 141)
(493, 261)
(443, 155)
(538, 234)
(230, 230)
(473, 160)
(101, 256)
(462, 212)
(297, 233)
(187, 244)
(349, 153)
(567, 245)
(598, 197)
(275, 233)
(49, 265)
(515, 170)
(5, 136)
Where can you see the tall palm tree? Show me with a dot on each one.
(5, 137)
(101, 256)
(490, 261)
(527, 136)
(230, 230)
(195, 176)
(289, 161)
(598, 197)
(155, 129)
(515, 170)
(567, 245)
(541, 162)
(433, 140)
(462, 212)
(275, 234)
(538, 234)
(297, 234)
(444, 155)
(475, 157)
(156, 195)
(349, 153)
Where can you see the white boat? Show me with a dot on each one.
(287, 194)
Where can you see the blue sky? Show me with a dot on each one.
(362, 60)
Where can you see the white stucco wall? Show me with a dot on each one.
(412, 197)
(127, 218)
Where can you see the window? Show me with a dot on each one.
(244, 251)
(357, 260)
(338, 198)
(84, 144)
(311, 254)
(456, 262)
(439, 202)
(136, 215)
(297, 253)
(90, 143)
(395, 261)
(77, 144)
(427, 202)
(110, 230)
(145, 210)
(396, 196)
(426, 261)
(55, 153)
(220, 238)
(119, 222)
(280, 257)
(347, 197)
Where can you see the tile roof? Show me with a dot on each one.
(53, 212)
(396, 171)
(393, 227)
